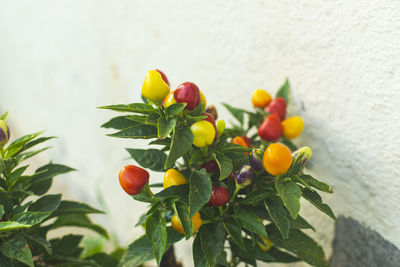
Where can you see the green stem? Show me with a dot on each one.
(147, 189)
(234, 194)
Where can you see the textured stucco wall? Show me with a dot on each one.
(61, 59)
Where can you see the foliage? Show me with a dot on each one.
(267, 209)
(28, 214)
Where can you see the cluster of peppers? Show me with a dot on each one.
(244, 175)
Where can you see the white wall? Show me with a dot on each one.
(59, 60)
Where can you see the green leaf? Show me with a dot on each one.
(284, 91)
(79, 220)
(182, 211)
(17, 145)
(197, 158)
(290, 194)
(280, 256)
(256, 196)
(48, 203)
(300, 244)
(39, 241)
(10, 225)
(237, 113)
(165, 127)
(143, 196)
(41, 180)
(39, 210)
(250, 221)
(71, 207)
(300, 223)
(152, 119)
(199, 258)
(176, 191)
(236, 234)
(67, 245)
(140, 131)
(212, 238)
(199, 190)
(15, 175)
(23, 156)
(119, 123)
(104, 260)
(317, 184)
(299, 180)
(182, 140)
(152, 159)
(1, 211)
(36, 142)
(17, 248)
(134, 107)
(156, 232)
(5, 116)
(231, 147)
(224, 163)
(140, 251)
(315, 199)
(175, 109)
(279, 216)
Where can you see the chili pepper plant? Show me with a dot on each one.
(233, 191)
(28, 213)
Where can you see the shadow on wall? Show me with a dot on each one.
(357, 246)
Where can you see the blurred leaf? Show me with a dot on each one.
(119, 123)
(236, 112)
(35, 142)
(284, 91)
(290, 194)
(39, 210)
(135, 108)
(104, 260)
(39, 241)
(315, 199)
(79, 220)
(200, 190)
(280, 256)
(71, 207)
(152, 159)
(140, 131)
(181, 143)
(17, 248)
(17, 145)
(10, 225)
(5, 116)
(300, 223)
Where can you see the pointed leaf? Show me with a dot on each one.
(182, 140)
(165, 127)
(225, 165)
(152, 159)
(139, 131)
(279, 216)
(290, 194)
(199, 190)
(156, 232)
(315, 199)
(284, 91)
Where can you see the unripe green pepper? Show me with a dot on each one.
(4, 133)
(203, 133)
(155, 88)
(220, 127)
